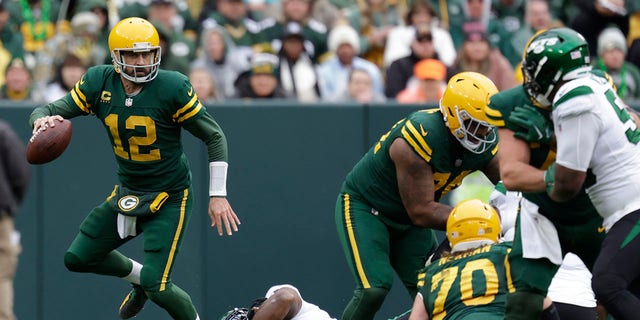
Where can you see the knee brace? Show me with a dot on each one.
(74, 263)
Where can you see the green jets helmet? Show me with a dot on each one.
(552, 56)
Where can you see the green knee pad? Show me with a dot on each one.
(175, 301)
(523, 306)
(364, 304)
(74, 263)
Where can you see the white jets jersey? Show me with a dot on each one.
(308, 311)
(595, 132)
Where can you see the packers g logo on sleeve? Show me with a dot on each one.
(128, 203)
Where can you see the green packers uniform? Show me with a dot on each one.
(467, 285)
(577, 221)
(145, 133)
(375, 230)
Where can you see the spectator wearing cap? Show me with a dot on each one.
(477, 55)
(401, 39)
(67, 74)
(262, 80)
(402, 70)
(428, 84)
(360, 89)
(231, 15)
(101, 10)
(82, 40)
(333, 74)
(297, 70)
(219, 55)
(313, 31)
(612, 51)
(18, 82)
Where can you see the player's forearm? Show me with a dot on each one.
(430, 215)
(207, 129)
(62, 107)
(522, 177)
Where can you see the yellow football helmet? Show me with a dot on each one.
(462, 105)
(472, 223)
(136, 35)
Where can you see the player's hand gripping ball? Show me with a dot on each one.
(47, 145)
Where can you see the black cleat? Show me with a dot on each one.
(133, 302)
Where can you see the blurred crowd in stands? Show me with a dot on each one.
(362, 51)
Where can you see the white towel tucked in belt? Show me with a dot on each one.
(126, 226)
(539, 236)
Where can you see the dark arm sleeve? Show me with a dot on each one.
(207, 129)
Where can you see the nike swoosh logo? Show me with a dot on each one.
(601, 229)
(424, 133)
(82, 81)
(190, 93)
(539, 133)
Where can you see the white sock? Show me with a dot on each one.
(197, 317)
(134, 276)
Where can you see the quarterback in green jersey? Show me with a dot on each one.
(143, 110)
(546, 230)
(472, 281)
(388, 204)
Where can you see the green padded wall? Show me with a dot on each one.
(287, 162)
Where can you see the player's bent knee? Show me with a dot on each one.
(607, 286)
(74, 263)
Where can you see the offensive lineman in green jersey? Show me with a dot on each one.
(576, 225)
(143, 110)
(472, 281)
(389, 200)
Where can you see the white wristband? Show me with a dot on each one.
(218, 179)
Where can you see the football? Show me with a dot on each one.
(46, 145)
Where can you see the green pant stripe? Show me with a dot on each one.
(176, 240)
(353, 244)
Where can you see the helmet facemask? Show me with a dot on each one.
(534, 88)
(120, 64)
(475, 135)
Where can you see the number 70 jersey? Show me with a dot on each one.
(468, 285)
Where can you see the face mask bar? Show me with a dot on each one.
(475, 135)
(116, 55)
